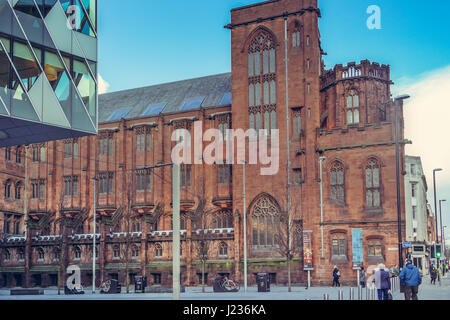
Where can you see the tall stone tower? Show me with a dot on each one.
(344, 114)
(276, 66)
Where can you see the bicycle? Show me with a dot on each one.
(230, 285)
(105, 287)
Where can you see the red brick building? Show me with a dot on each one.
(344, 114)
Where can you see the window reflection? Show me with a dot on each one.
(57, 76)
(4, 64)
(85, 84)
(25, 64)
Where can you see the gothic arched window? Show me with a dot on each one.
(8, 189)
(352, 108)
(6, 256)
(337, 185)
(223, 250)
(135, 252)
(77, 253)
(21, 254)
(18, 191)
(158, 251)
(41, 254)
(262, 82)
(265, 221)
(373, 185)
(223, 220)
(116, 252)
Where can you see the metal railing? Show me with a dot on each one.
(371, 292)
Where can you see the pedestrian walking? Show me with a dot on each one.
(362, 280)
(433, 274)
(412, 279)
(394, 270)
(382, 282)
(336, 276)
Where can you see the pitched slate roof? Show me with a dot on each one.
(173, 95)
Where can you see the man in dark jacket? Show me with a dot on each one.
(433, 274)
(336, 276)
(412, 279)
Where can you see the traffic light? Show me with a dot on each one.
(438, 251)
(433, 250)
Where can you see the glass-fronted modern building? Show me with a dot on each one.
(48, 70)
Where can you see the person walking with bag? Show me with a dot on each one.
(433, 275)
(382, 282)
(336, 276)
(362, 280)
(412, 279)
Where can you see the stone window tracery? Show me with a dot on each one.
(265, 221)
(262, 82)
(352, 106)
(337, 182)
(373, 184)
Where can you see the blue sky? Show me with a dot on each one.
(151, 41)
(146, 42)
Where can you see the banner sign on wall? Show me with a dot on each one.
(307, 251)
(357, 248)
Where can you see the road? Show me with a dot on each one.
(426, 292)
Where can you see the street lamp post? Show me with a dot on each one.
(397, 170)
(435, 202)
(440, 218)
(444, 239)
(442, 229)
(435, 212)
(245, 228)
(94, 238)
(321, 159)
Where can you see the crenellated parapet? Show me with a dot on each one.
(365, 69)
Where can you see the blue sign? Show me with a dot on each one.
(357, 247)
(406, 244)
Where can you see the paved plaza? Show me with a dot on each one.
(426, 292)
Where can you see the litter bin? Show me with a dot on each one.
(217, 285)
(140, 283)
(263, 281)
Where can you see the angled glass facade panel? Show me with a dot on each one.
(3, 110)
(5, 70)
(28, 7)
(86, 86)
(48, 70)
(5, 17)
(21, 106)
(56, 21)
(84, 24)
(80, 117)
(59, 80)
(53, 112)
(25, 64)
(91, 10)
(34, 28)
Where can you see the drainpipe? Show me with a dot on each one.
(321, 159)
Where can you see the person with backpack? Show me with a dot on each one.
(336, 276)
(412, 279)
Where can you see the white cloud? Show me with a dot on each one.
(427, 120)
(102, 85)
